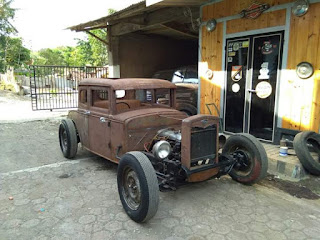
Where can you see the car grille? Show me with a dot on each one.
(203, 145)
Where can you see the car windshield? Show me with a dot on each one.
(187, 75)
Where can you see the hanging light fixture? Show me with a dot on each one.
(211, 25)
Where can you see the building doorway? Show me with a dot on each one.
(252, 68)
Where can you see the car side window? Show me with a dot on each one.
(162, 96)
(100, 98)
(83, 96)
(178, 76)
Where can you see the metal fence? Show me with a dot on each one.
(56, 87)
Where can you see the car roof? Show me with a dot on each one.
(127, 83)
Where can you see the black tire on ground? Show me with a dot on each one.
(254, 164)
(303, 142)
(138, 186)
(68, 138)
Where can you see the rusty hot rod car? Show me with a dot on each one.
(156, 146)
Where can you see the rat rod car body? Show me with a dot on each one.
(155, 145)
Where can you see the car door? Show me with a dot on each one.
(99, 121)
(81, 116)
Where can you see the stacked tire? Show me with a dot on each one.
(307, 147)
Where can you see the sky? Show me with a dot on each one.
(41, 23)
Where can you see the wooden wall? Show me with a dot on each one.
(300, 99)
(211, 54)
(232, 7)
(302, 105)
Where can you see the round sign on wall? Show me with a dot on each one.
(235, 87)
(263, 89)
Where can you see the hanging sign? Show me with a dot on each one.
(263, 89)
(236, 73)
(254, 10)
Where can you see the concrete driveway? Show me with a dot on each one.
(55, 198)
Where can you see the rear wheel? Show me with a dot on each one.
(138, 186)
(68, 138)
(252, 160)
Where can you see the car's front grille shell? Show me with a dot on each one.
(199, 143)
(203, 145)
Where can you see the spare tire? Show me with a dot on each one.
(307, 147)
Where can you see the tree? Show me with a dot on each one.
(6, 28)
(48, 56)
(6, 14)
(99, 49)
(16, 55)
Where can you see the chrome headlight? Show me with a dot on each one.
(161, 149)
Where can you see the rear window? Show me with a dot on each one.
(100, 98)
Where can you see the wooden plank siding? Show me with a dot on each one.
(300, 99)
(232, 7)
(302, 103)
(211, 55)
(269, 19)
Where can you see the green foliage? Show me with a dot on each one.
(88, 52)
(48, 56)
(17, 55)
(6, 28)
(99, 49)
(6, 14)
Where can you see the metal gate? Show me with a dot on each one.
(56, 87)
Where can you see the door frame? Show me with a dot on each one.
(282, 63)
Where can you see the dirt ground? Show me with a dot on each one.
(16, 108)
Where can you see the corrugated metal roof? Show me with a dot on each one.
(103, 22)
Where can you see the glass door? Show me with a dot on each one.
(253, 65)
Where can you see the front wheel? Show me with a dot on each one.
(138, 186)
(252, 160)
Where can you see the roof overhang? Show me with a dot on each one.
(103, 22)
(177, 20)
(175, 2)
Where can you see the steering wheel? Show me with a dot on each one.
(124, 103)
